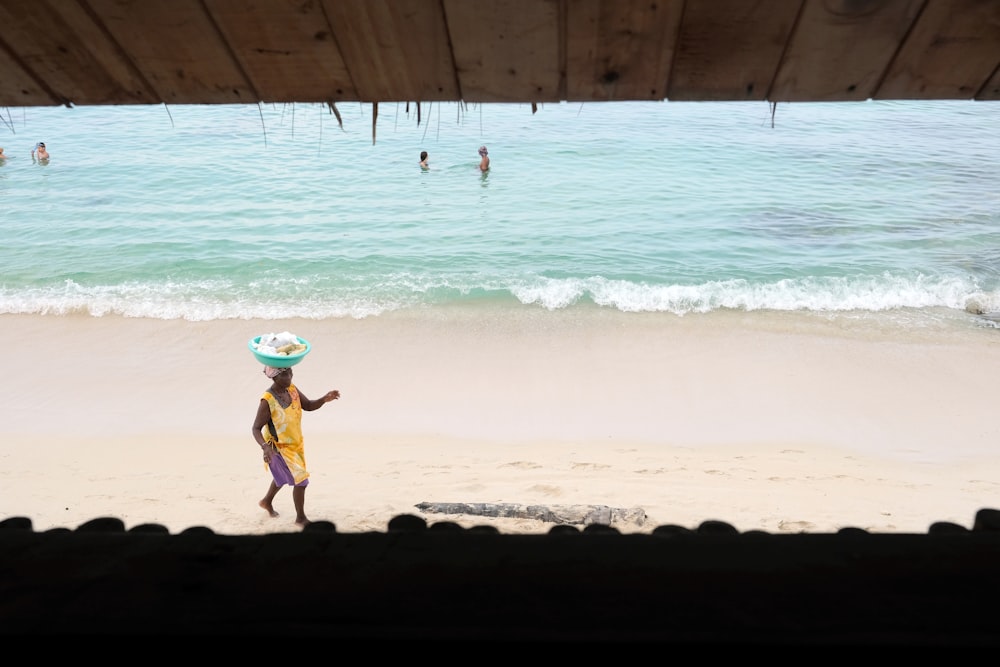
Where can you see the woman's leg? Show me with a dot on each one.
(299, 498)
(265, 503)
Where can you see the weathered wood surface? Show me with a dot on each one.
(111, 52)
(578, 515)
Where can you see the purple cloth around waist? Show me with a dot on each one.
(280, 472)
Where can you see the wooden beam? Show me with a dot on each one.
(620, 50)
(176, 44)
(287, 50)
(841, 48)
(395, 50)
(505, 50)
(952, 53)
(64, 56)
(730, 49)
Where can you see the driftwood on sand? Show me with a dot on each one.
(559, 514)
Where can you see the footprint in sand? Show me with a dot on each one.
(546, 490)
(524, 465)
(436, 471)
(590, 466)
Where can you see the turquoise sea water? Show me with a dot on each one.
(272, 212)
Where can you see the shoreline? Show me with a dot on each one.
(776, 424)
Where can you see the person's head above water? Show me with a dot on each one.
(483, 151)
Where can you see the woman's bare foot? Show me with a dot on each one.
(267, 507)
(303, 522)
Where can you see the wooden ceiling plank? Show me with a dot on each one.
(841, 48)
(729, 50)
(23, 60)
(991, 90)
(505, 50)
(124, 84)
(952, 53)
(46, 48)
(66, 56)
(585, 57)
(95, 52)
(620, 49)
(285, 48)
(395, 50)
(18, 87)
(177, 46)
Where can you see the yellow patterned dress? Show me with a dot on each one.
(288, 424)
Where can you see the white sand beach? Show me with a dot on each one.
(783, 423)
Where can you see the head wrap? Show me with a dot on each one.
(483, 151)
(272, 372)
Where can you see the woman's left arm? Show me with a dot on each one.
(309, 404)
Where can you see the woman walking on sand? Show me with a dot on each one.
(280, 414)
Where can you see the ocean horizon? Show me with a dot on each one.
(886, 210)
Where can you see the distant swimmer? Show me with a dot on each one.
(484, 163)
(40, 152)
(423, 160)
(2, 156)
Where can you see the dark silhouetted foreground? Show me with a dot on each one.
(440, 583)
